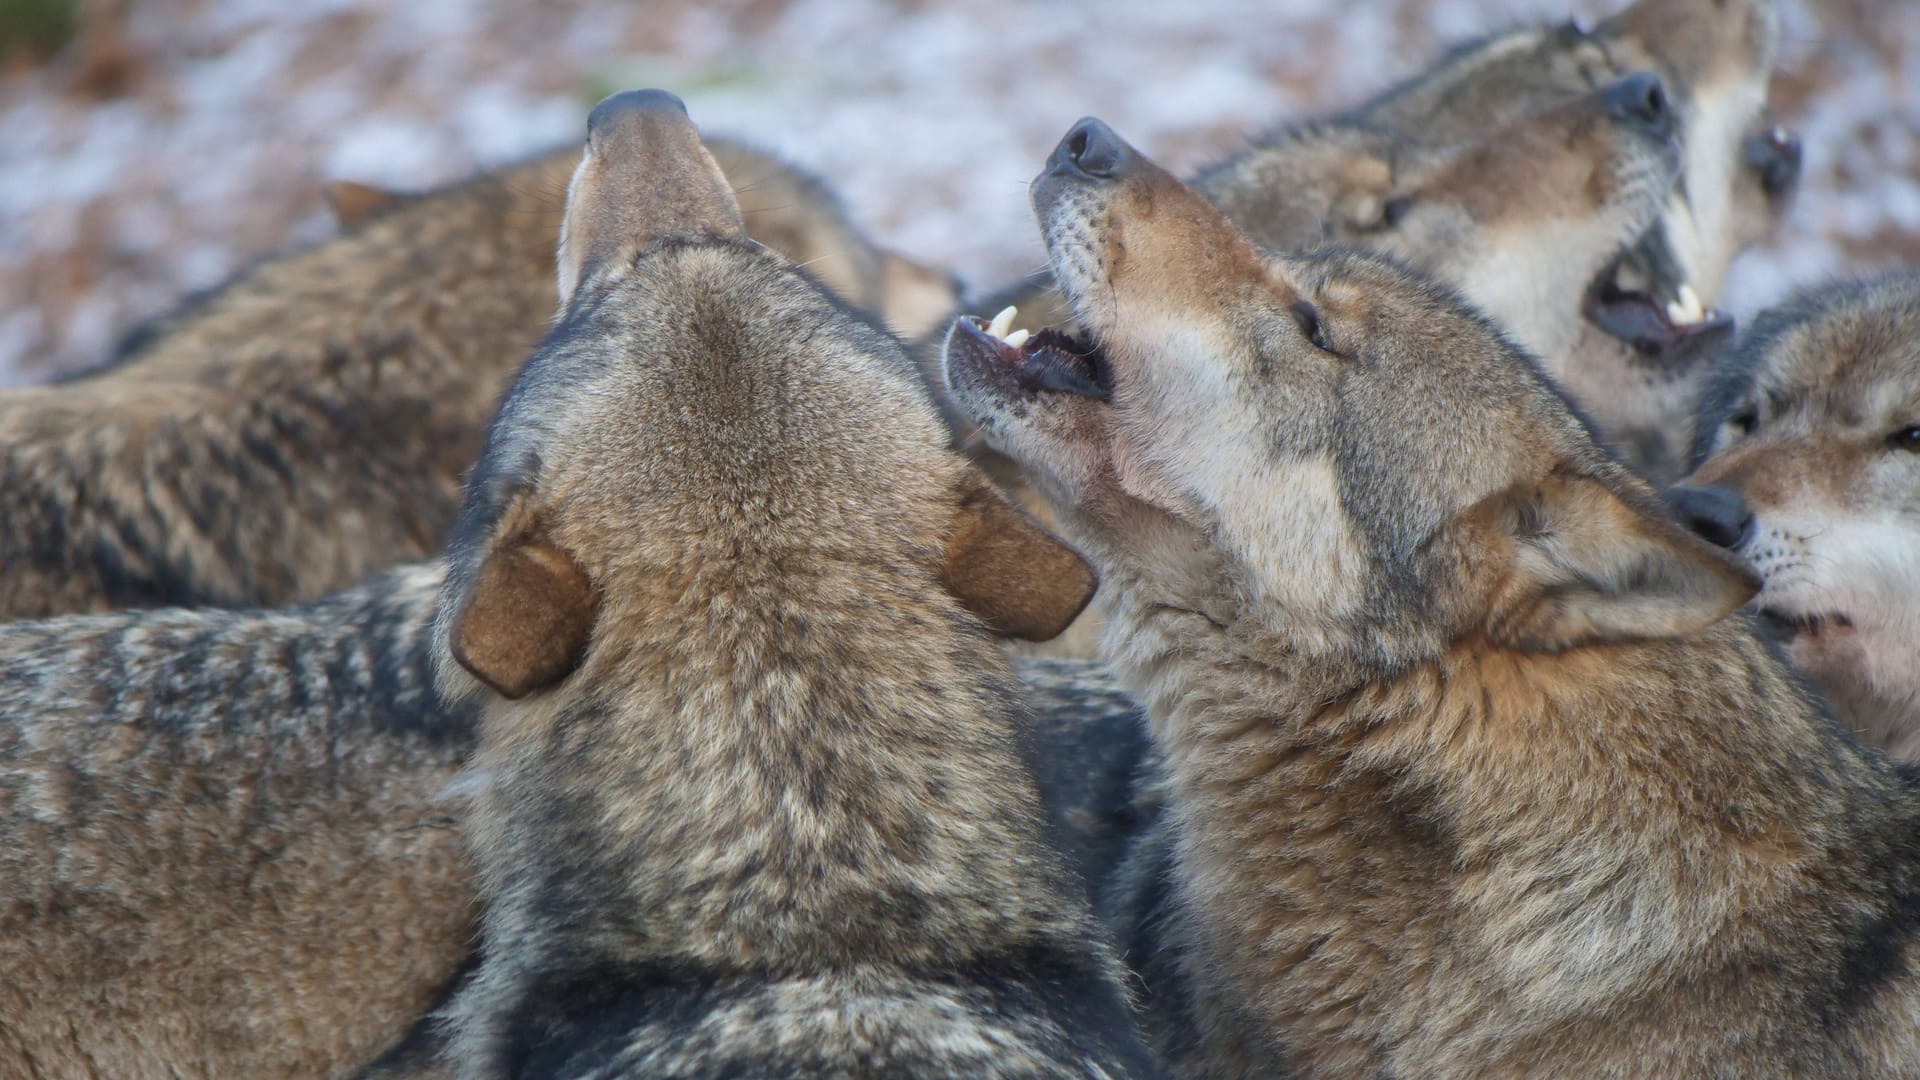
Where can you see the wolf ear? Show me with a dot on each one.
(1363, 184)
(353, 202)
(1589, 567)
(914, 299)
(1011, 573)
(527, 614)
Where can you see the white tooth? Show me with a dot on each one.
(1002, 322)
(1677, 313)
(1629, 279)
(1690, 300)
(1017, 338)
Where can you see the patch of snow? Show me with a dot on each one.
(393, 151)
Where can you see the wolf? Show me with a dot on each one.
(309, 423)
(748, 799)
(1808, 455)
(226, 848)
(1472, 769)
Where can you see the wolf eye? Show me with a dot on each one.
(1309, 320)
(1745, 420)
(1907, 438)
(1395, 209)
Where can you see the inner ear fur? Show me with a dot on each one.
(527, 615)
(1591, 567)
(1015, 576)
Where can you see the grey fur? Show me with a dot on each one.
(227, 851)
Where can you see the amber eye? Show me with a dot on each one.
(1309, 319)
(1907, 438)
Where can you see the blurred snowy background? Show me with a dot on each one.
(149, 148)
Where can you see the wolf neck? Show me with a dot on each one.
(833, 793)
(1586, 824)
(1878, 700)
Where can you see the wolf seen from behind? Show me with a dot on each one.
(750, 800)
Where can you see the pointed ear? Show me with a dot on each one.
(1364, 184)
(915, 298)
(1591, 567)
(527, 614)
(1011, 573)
(353, 202)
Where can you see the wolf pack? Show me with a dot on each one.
(1364, 609)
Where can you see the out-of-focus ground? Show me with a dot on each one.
(153, 147)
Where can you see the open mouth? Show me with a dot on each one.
(1048, 361)
(1644, 299)
(1790, 625)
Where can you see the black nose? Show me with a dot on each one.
(1092, 149)
(633, 103)
(1776, 154)
(1640, 101)
(1720, 516)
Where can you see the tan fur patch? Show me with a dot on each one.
(1019, 580)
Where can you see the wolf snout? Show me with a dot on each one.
(634, 106)
(1641, 102)
(1093, 150)
(1718, 515)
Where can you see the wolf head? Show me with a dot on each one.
(1326, 447)
(1523, 215)
(1715, 58)
(1808, 454)
(703, 428)
(1523, 219)
(1636, 356)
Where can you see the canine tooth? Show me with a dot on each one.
(1687, 309)
(1002, 322)
(1690, 303)
(1017, 338)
